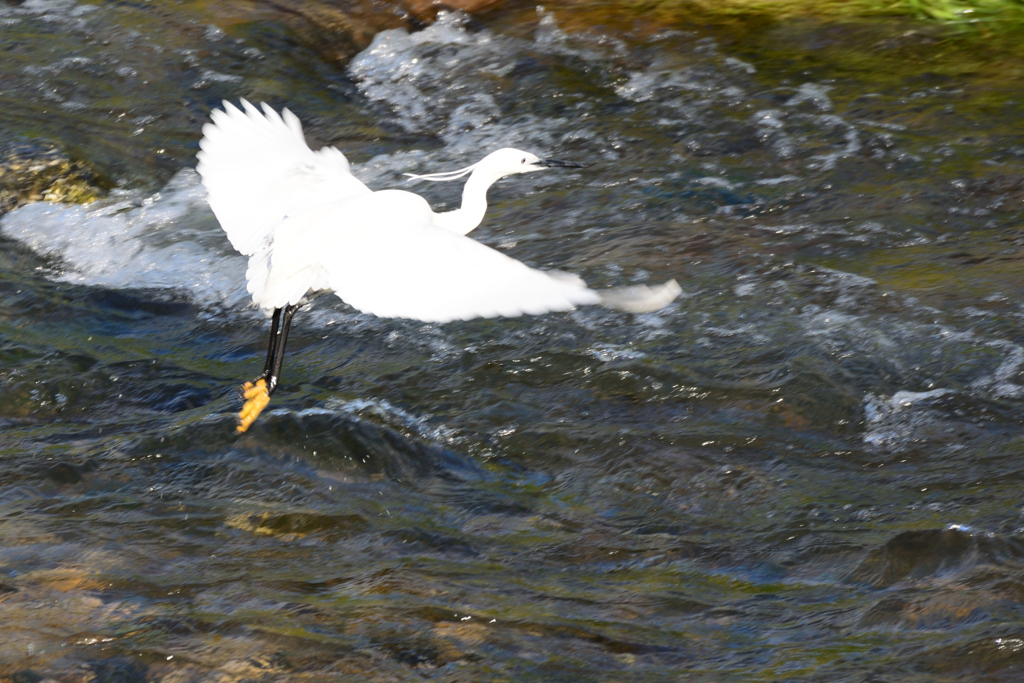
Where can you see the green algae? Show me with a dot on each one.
(41, 172)
(995, 12)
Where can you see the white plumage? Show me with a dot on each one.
(257, 169)
(308, 224)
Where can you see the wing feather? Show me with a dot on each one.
(439, 276)
(382, 255)
(258, 169)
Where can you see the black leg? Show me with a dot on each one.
(272, 346)
(281, 341)
(271, 349)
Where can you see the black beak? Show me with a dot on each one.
(555, 163)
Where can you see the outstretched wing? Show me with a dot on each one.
(258, 170)
(426, 273)
(383, 255)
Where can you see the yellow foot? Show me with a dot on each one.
(256, 399)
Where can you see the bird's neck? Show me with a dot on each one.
(474, 205)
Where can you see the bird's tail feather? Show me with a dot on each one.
(640, 298)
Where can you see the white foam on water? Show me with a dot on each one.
(644, 86)
(826, 162)
(893, 423)
(415, 74)
(771, 128)
(50, 9)
(814, 93)
(907, 341)
(999, 381)
(394, 417)
(454, 82)
(614, 352)
(446, 81)
(777, 181)
(168, 241)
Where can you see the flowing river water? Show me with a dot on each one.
(807, 468)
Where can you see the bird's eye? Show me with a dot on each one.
(524, 161)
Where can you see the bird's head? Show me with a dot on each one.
(509, 161)
(501, 163)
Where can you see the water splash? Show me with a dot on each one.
(167, 241)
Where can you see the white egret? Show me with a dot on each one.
(307, 224)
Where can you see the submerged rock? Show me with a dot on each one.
(37, 171)
(427, 9)
(338, 29)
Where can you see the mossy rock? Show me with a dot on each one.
(37, 171)
(338, 29)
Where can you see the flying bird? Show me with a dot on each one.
(307, 225)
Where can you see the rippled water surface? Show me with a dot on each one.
(808, 468)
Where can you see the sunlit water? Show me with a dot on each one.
(807, 468)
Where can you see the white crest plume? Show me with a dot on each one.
(443, 177)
